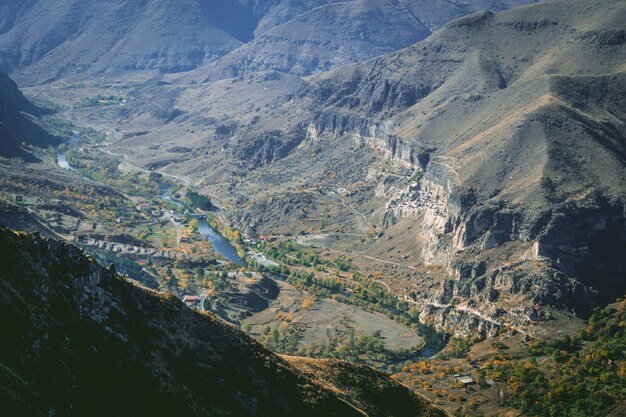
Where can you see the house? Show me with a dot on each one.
(267, 238)
(191, 300)
(463, 379)
(143, 206)
(184, 239)
(55, 218)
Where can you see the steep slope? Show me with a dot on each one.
(305, 38)
(10, 11)
(515, 126)
(17, 121)
(354, 383)
(52, 39)
(86, 342)
(323, 38)
(433, 14)
(45, 40)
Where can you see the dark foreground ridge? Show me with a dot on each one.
(81, 340)
(18, 121)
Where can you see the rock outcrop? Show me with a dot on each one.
(518, 153)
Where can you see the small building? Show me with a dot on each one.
(143, 206)
(184, 239)
(463, 379)
(191, 300)
(19, 199)
(55, 218)
(267, 238)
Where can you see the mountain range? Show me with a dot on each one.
(517, 135)
(44, 40)
(511, 124)
(464, 160)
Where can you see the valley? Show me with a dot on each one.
(145, 223)
(443, 201)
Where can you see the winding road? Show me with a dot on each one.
(137, 168)
(371, 258)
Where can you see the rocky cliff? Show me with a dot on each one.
(518, 152)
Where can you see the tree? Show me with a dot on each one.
(199, 201)
(307, 303)
(194, 224)
(155, 177)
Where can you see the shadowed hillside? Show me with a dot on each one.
(18, 121)
(87, 342)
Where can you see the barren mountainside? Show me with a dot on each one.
(515, 122)
(325, 199)
(52, 39)
(312, 37)
(43, 40)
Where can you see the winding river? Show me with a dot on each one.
(61, 159)
(218, 242)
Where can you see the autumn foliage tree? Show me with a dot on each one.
(307, 303)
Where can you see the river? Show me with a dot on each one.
(219, 243)
(61, 159)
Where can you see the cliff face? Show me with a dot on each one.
(514, 126)
(83, 341)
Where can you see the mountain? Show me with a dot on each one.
(18, 121)
(325, 37)
(304, 38)
(514, 127)
(43, 40)
(52, 39)
(84, 341)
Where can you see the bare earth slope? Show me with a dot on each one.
(53, 39)
(365, 387)
(86, 342)
(45, 40)
(305, 38)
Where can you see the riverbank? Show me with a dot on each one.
(219, 243)
(60, 154)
